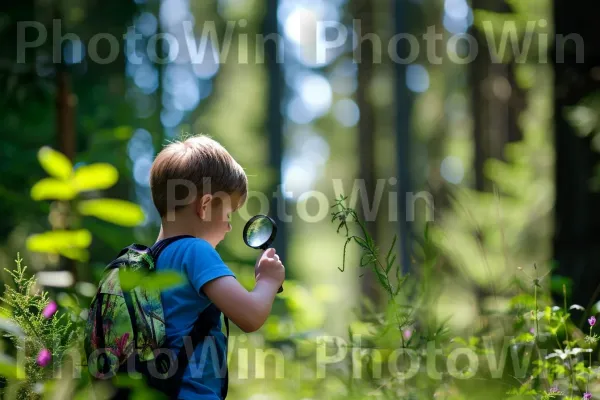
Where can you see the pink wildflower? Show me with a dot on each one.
(44, 357)
(50, 310)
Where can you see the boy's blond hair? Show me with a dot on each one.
(197, 162)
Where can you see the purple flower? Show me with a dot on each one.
(50, 310)
(407, 334)
(554, 389)
(587, 395)
(592, 320)
(44, 357)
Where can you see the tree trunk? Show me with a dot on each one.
(577, 211)
(363, 12)
(65, 132)
(274, 125)
(497, 101)
(157, 129)
(405, 18)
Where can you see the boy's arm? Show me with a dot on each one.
(248, 310)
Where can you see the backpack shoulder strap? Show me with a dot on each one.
(225, 386)
(154, 251)
(200, 330)
(159, 246)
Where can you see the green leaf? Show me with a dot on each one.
(118, 212)
(130, 278)
(153, 281)
(163, 280)
(392, 248)
(67, 301)
(53, 189)
(369, 259)
(390, 264)
(95, 177)
(55, 163)
(523, 338)
(75, 254)
(362, 328)
(361, 242)
(10, 370)
(59, 241)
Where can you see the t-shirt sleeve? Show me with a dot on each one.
(203, 264)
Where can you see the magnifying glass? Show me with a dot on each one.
(259, 233)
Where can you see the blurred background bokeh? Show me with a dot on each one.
(476, 119)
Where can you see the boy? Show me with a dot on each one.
(201, 170)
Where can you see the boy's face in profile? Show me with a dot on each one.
(217, 217)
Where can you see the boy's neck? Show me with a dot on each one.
(167, 231)
(170, 229)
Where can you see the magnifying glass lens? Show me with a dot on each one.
(259, 232)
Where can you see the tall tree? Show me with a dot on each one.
(45, 79)
(25, 107)
(275, 122)
(66, 135)
(576, 57)
(497, 100)
(364, 13)
(405, 17)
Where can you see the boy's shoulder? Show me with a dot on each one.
(188, 241)
(196, 258)
(189, 250)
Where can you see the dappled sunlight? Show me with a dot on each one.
(432, 171)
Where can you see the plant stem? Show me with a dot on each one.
(569, 358)
(537, 327)
(590, 365)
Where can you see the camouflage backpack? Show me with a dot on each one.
(125, 330)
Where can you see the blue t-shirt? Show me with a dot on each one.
(200, 262)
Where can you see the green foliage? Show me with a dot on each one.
(71, 244)
(118, 212)
(370, 253)
(160, 280)
(67, 184)
(554, 356)
(95, 177)
(51, 188)
(519, 35)
(24, 304)
(84, 179)
(55, 163)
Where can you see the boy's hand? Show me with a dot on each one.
(269, 267)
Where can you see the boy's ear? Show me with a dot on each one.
(203, 206)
